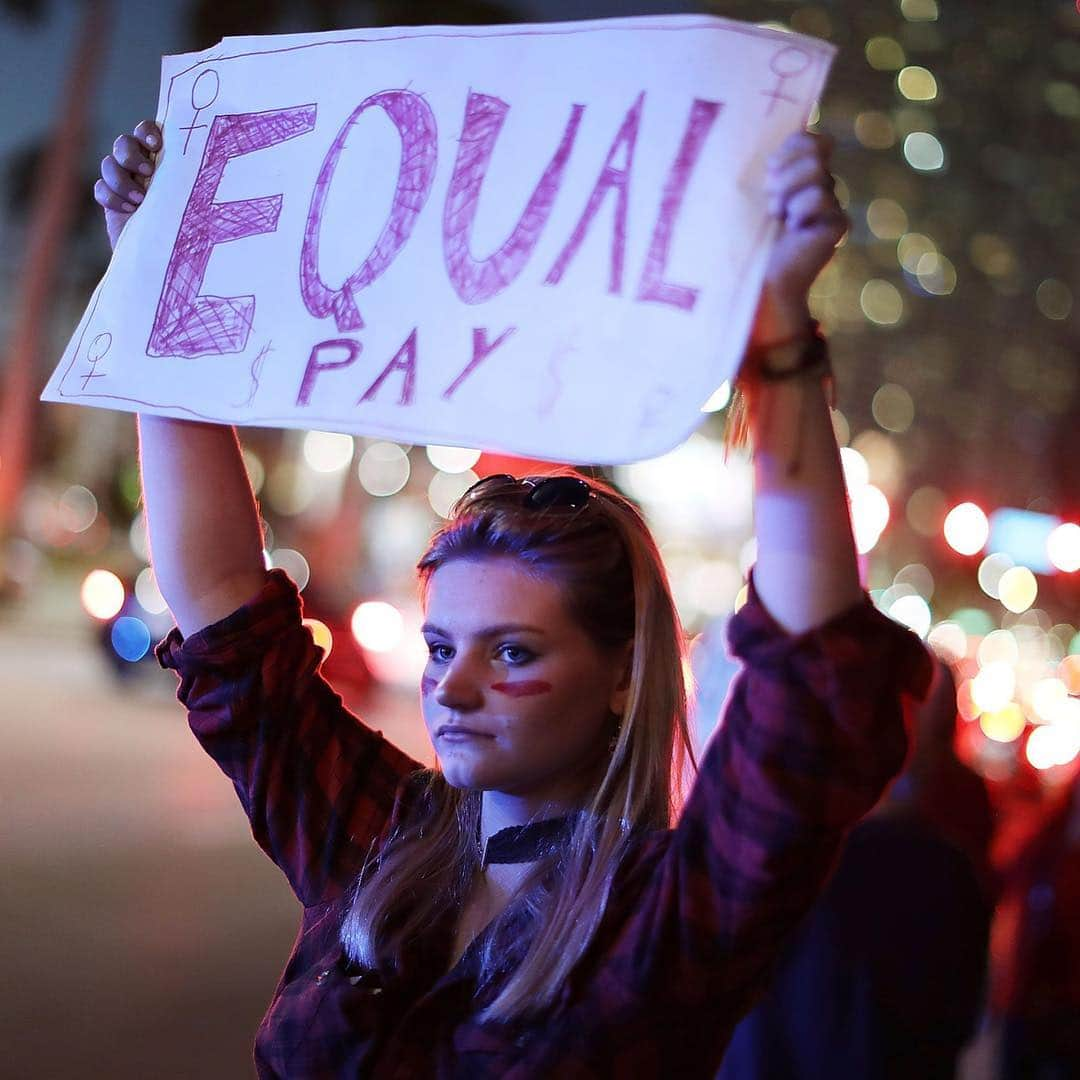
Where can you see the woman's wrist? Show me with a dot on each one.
(778, 320)
(804, 355)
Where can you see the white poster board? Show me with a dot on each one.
(545, 240)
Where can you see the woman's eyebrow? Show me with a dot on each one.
(487, 631)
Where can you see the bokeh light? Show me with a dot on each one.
(130, 638)
(148, 594)
(256, 471)
(875, 130)
(1042, 750)
(893, 408)
(288, 490)
(452, 459)
(914, 612)
(919, 10)
(138, 537)
(885, 54)
(998, 647)
(78, 509)
(924, 152)
(446, 488)
(1054, 299)
(1003, 725)
(741, 597)
(925, 510)
(1018, 589)
(321, 635)
(949, 641)
(1063, 547)
(1054, 744)
(994, 686)
(967, 708)
(841, 427)
(936, 274)
(377, 625)
(881, 302)
(911, 248)
(1047, 697)
(293, 563)
(856, 469)
(869, 516)
(918, 577)
(992, 255)
(719, 398)
(966, 528)
(1063, 98)
(886, 219)
(384, 469)
(973, 620)
(1069, 673)
(990, 571)
(328, 451)
(917, 84)
(102, 594)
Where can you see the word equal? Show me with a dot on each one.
(190, 324)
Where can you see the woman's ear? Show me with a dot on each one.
(619, 695)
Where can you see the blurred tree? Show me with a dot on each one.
(53, 209)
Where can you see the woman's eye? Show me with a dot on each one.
(437, 652)
(515, 654)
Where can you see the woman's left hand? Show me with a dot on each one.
(800, 191)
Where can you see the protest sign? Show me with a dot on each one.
(545, 240)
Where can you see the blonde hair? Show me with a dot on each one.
(615, 586)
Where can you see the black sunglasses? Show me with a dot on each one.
(565, 492)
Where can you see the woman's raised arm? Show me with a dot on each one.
(807, 568)
(205, 535)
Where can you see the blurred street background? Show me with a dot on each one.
(142, 930)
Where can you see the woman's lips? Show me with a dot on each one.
(459, 734)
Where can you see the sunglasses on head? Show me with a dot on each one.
(565, 492)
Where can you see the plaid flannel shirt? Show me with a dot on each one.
(813, 731)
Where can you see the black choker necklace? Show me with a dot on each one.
(526, 843)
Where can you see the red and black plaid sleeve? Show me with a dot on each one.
(813, 730)
(316, 783)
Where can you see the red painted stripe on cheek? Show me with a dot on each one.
(525, 688)
(427, 685)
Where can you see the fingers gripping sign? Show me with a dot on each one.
(125, 176)
(802, 196)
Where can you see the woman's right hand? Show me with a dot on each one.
(125, 175)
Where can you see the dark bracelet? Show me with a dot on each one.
(813, 360)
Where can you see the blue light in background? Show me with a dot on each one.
(1022, 534)
(130, 638)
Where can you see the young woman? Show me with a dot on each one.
(545, 903)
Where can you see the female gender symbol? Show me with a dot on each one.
(789, 63)
(97, 350)
(212, 89)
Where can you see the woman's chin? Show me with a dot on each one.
(464, 775)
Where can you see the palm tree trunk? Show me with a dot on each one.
(47, 232)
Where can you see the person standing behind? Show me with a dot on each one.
(886, 980)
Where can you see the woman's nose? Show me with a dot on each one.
(461, 686)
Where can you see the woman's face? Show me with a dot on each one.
(516, 697)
